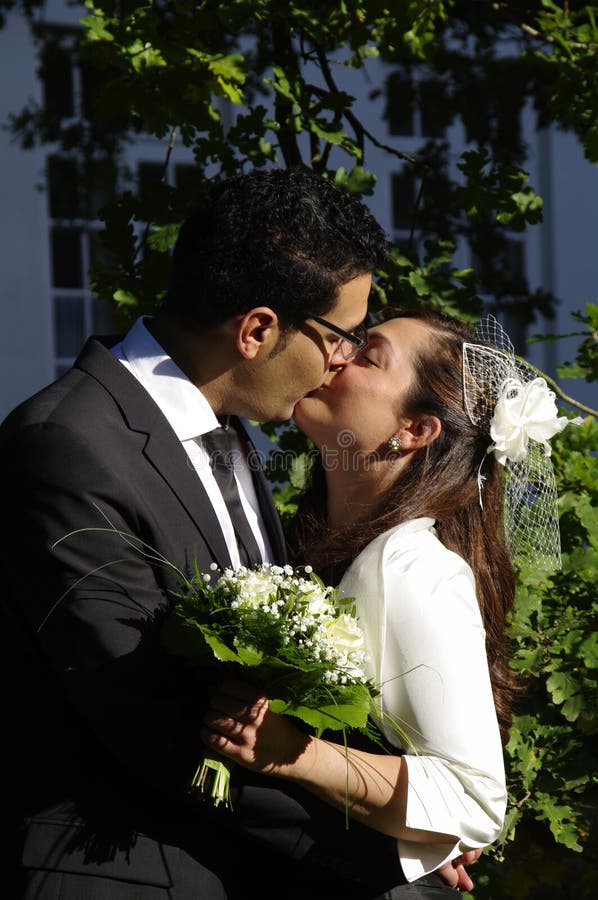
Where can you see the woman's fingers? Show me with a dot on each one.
(231, 724)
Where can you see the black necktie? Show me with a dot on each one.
(222, 451)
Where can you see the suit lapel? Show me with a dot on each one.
(165, 452)
(162, 449)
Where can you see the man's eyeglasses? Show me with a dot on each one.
(350, 342)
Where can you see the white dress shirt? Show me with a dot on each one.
(190, 416)
(426, 648)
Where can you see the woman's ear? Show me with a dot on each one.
(257, 330)
(419, 432)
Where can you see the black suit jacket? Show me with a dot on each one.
(104, 725)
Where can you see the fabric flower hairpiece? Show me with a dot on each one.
(504, 395)
(524, 412)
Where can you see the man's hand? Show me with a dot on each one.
(454, 873)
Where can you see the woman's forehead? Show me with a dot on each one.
(401, 330)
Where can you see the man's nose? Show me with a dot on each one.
(337, 360)
(333, 371)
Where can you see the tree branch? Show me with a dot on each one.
(538, 35)
(284, 56)
(558, 391)
(358, 128)
(148, 225)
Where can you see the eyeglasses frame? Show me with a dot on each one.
(358, 342)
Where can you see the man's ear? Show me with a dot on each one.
(256, 330)
(419, 432)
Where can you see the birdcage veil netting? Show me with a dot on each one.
(505, 396)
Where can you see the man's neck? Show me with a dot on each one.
(205, 358)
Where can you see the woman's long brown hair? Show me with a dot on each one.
(441, 481)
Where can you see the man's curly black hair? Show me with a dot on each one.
(283, 238)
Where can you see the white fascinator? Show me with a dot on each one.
(504, 395)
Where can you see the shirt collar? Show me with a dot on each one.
(187, 410)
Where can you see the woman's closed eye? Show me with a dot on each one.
(366, 357)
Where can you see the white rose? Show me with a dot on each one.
(319, 602)
(523, 412)
(256, 589)
(345, 634)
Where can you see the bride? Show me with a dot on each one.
(405, 510)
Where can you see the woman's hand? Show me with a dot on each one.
(372, 787)
(239, 725)
(454, 873)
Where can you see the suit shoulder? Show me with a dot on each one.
(86, 392)
(69, 399)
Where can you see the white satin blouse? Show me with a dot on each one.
(426, 647)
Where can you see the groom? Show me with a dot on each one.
(114, 470)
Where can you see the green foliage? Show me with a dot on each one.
(251, 83)
(586, 364)
(434, 283)
(499, 190)
(551, 755)
(257, 82)
(568, 43)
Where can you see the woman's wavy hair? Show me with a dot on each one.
(441, 481)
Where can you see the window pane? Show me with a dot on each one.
(500, 265)
(102, 316)
(100, 185)
(67, 265)
(63, 187)
(101, 99)
(515, 328)
(403, 199)
(69, 325)
(515, 259)
(149, 177)
(188, 177)
(433, 107)
(91, 88)
(97, 250)
(410, 249)
(399, 104)
(57, 79)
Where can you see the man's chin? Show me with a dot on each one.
(313, 393)
(298, 407)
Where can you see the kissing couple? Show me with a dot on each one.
(263, 320)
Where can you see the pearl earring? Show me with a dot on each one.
(394, 444)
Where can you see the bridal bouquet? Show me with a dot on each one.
(281, 630)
